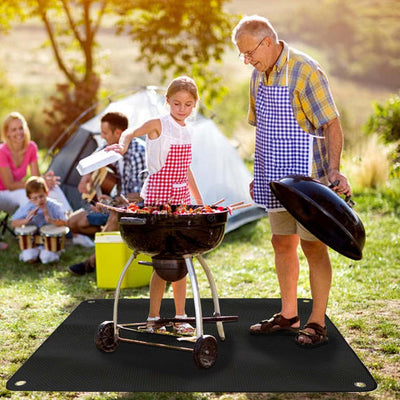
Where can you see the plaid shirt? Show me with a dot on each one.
(134, 166)
(312, 101)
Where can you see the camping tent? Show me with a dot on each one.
(216, 165)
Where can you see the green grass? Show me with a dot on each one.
(364, 302)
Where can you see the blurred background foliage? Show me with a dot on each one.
(178, 37)
(362, 37)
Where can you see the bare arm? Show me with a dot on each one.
(334, 141)
(34, 168)
(8, 180)
(16, 223)
(194, 190)
(54, 221)
(151, 128)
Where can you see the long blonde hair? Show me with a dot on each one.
(4, 127)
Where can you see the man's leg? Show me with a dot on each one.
(78, 223)
(320, 282)
(89, 265)
(287, 270)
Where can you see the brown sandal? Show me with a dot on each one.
(317, 339)
(277, 323)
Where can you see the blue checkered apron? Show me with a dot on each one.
(282, 147)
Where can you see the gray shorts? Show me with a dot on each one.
(282, 223)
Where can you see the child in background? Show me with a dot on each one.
(170, 180)
(39, 211)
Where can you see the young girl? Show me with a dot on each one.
(170, 180)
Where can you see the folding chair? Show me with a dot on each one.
(6, 210)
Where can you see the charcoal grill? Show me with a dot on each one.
(172, 241)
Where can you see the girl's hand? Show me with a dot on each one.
(115, 147)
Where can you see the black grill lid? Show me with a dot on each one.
(324, 213)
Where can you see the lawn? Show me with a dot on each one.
(364, 302)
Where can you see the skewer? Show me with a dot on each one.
(240, 206)
(236, 204)
(124, 199)
(111, 208)
(218, 202)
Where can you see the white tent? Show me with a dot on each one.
(216, 165)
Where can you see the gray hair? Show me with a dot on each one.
(256, 26)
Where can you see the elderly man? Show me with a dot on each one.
(297, 132)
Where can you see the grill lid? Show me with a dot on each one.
(321, 211)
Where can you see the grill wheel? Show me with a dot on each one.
(105, 339)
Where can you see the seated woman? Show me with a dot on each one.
(17, 153)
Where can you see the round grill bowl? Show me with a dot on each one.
(321, 211)
(155, 234)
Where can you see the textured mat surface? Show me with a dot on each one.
(69, 360)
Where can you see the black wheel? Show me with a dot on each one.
(105, 339)
(205, 351)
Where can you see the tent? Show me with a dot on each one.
(216, 165)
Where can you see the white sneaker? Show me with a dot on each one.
(29, 255)
(47, 256)
(82, 240)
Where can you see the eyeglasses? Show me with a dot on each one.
(249, 54)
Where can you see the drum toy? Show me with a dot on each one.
(53, 237)
(26, 236)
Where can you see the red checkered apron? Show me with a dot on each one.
(170, 183)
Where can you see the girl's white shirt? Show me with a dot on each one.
(157, 149)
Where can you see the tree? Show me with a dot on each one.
(356, 34)
(385, 120)
(181, 36)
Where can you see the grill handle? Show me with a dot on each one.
(347, 199)
(132, 221)
(150, 264)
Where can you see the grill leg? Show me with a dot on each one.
(217, 311)
(196, 295)
(118, 290)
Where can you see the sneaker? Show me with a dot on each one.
(81, 268)
(82, 240)
(153, 327)
(47, 256)
(30, 255)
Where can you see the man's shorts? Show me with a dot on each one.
(282, 223)
(97, 219)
